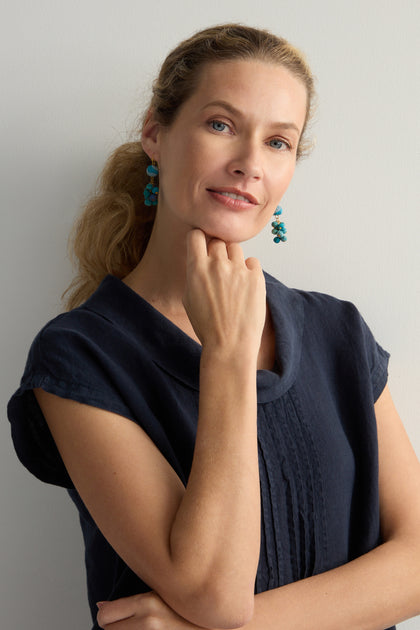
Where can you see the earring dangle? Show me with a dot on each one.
(151, 191)
(278, 227)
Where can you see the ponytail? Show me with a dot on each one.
(112, 233)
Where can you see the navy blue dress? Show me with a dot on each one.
(317, 435)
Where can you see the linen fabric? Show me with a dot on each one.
(317, 438)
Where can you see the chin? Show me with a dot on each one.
(227, 234)
(225, 237)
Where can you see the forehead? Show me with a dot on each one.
(257, 88)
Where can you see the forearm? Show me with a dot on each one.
(372, 592)
(215, 538)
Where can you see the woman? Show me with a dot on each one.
(231, 444)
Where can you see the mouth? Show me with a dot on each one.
(234, 193)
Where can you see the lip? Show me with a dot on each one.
(235, 191)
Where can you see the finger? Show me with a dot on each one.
(196, 244)
(132, 623)
(235, 252)
(253, 263)
(217, 248)
(110, 612)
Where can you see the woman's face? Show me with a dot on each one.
(228, 157)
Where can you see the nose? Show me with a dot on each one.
(246, 160)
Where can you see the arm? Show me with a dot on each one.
(372, 592)
(380, 588)
(197, 548)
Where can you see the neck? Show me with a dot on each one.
(159, 277)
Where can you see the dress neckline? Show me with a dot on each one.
(179, 354)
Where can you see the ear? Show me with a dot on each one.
(150, 136)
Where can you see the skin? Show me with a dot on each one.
(252, 152)
(194, 272)
(163, 531)
(372, 592)
(222, 148)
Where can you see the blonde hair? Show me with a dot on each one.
(112, 233)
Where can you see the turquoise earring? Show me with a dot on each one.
(278, 227)
(151, 191)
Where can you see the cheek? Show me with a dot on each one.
(201, 155)
(190, 157)
(286, 177)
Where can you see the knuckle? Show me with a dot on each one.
(215, 245)
(102, 618)
(217, 265)
(152, 622)
(152, 600)
(253, 261)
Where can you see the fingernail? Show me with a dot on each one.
(99, 604)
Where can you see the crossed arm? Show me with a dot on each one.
(197, 547)
(373, 592)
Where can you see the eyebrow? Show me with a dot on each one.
(236, 112)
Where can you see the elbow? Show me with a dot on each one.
(224, 608)
(227, 614)
(211, 605)
(212, 598)
(234, 616)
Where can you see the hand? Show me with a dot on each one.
(225, 294)
(146, 611)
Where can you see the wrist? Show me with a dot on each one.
(224, 357)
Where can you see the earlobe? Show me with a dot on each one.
(150, 136)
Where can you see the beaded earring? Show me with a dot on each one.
(278, 227)
(151, 191)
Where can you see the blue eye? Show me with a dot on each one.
(217, 125)
(277, 143)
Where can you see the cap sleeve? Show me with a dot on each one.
(364, 342)
(346, 344)
(65, 362)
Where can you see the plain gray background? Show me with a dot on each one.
(74, 77)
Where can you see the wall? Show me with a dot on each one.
(74, 75)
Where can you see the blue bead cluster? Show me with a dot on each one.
(151, 191)
(278, 227)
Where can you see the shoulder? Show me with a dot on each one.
(88, 354)
(104, 329)
(319, 308)
(333, 331)
(67, 344)
(83, 355)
